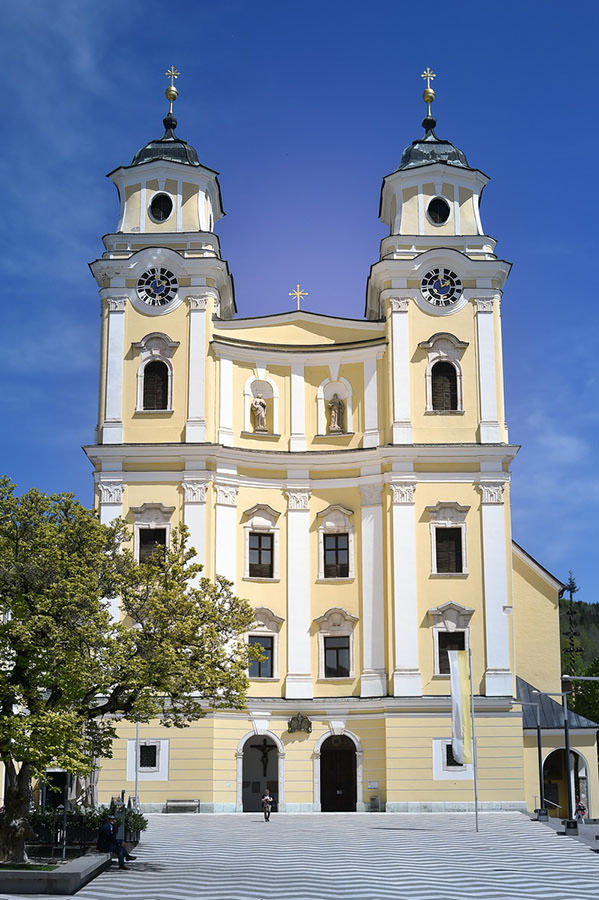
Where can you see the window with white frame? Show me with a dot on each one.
(151, 528)
(261, 540)
(444, 373)
(445, 766)
(451, 631)
(152, 763)
(335, 544)
(155, 373)
(336, 644)
(265, 633)
(448, 538)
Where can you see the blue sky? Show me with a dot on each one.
(303, 108)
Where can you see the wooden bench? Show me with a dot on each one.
(182, 806)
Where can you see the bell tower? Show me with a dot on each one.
(160, 276)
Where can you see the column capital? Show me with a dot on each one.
(403, 492)
(116, 304)
(199, 300)
(298, 498)
(371, 494)
(226, 494)
(492, 491)
(111, 491)
(399, 304)
(194, 490)
(484, 304)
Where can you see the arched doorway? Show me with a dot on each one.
(260, 770)
(338, 774)
(555, 787)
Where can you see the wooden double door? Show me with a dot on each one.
(338, 775)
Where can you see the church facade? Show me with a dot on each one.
(351, 477)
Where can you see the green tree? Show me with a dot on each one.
(68, 672)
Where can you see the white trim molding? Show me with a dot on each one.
(335, 519)
(449, 618)
(154, 347)
(151, 515)
(267, 624)
(336, 622)
(112, 430)
(194, 515)
(160, 772)
(402, 420)
(487, 371)
(226, 530)
(298, 684)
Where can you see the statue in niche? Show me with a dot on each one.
(259, 411)
(336, 412)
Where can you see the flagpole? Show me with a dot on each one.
(474, 759)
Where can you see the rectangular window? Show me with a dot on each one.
(149, 540)
(448, 550)
(336, 555)
(449, 640)
(261, 553)
(336, 657)
(262, 668)
(148, 756)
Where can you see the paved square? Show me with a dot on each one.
(357, 856)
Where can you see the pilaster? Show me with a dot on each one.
(371, 404)
(225, 431)
(298, 409)
(195, 429)
(498, 677)
(194, 515)
(487, 371)
(402, 423)
(374, 677)
(111, 508)
(299, 678)
(226, 530)
(112, 431)
(407, 681)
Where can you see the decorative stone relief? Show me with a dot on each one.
(258, 407)
(451, 616)
(111, 491)
(156, 345)
(299, 722)
(152, 515)
(226, 494)
(194, 490)
(399, 304)
(298, 499)
(484, 306)
(492, 491)
(336, 621)
(371, 494)
(447, 514)
(336, 414)
(197, 302)
(403, 492)
(117, 304)
(266, 620)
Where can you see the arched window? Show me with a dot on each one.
(444, 387)
(155, 395)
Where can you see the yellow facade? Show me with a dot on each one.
(370, 461)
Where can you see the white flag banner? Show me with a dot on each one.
(461, 717)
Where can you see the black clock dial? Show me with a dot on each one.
(441, 287)
(157, 287)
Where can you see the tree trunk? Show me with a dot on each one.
(14, 828)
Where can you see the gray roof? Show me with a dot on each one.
(551, 711)
(168, 147)
(430, 149)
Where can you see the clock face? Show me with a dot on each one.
(157, 287)
(441, 287)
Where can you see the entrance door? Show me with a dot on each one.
(260, 771)
(338, 775)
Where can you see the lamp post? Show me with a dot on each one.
(539, 753)
(564, 696)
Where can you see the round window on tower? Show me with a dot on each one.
(161, 207)
(438, 211)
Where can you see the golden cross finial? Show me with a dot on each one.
(171, 92)
(428, 95)
(298, 294)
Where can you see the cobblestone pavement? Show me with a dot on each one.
(355, 857)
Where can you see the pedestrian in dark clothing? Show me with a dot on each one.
(267, 802)
(108, 842)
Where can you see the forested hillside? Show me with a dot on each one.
(579, 623)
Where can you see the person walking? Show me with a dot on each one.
(580, 811)
(267, 802)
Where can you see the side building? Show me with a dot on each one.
(351, 477)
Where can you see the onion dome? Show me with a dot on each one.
(430, 149)
(169, 147)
